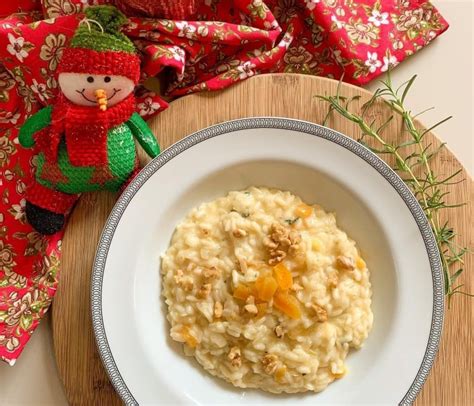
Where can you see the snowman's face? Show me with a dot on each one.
(79, 88)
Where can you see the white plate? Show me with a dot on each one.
(322, 166)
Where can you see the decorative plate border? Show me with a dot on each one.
(279, 123)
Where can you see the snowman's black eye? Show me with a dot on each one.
(90, 79)
(107, 79)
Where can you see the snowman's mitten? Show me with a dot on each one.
(32, 125)
(143, 134)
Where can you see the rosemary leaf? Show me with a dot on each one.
(411, 156)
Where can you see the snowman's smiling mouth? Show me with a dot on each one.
(81, 92)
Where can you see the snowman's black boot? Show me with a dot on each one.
(44, 221)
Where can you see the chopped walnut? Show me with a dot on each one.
(281, 242)
(234, 357)
(205, 290)
(321, 313)
(276, 257)
(279, 331)
(295, 239)
(345, 263)
(186, 282)
(211, 273)
(218, 308)
(270, 363)
(333, 280)
(239, 233)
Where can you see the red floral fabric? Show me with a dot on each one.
(224, 42)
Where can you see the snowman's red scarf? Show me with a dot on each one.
(85, 130)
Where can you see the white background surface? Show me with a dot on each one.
(445, 70)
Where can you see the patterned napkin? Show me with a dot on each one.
(223, 42)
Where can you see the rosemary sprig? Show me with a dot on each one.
(411, 159)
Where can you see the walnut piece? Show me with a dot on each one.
(270, 363)
(321, 313)
(239, 233)
(186, 282)
(211, 273)
(281, 242)
(205, 290)
(345, 263)
(279, 331)
(218, 308)
(234, 357)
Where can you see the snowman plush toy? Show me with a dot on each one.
(84, 141)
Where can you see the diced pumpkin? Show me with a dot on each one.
(266, 288)
(259, 284)
(242, 292)
(188, 337)
(280, 374)
(262, 309)
(283, 276)
(316, 244)
(303, 210)
(360, 263)
(287, 304)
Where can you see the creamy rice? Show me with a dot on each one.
(221, 268)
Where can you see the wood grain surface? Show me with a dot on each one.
(86, 383)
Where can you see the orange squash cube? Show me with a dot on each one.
(280, 374)
(360, 263)
(259, 284)
(188, 337)
(242, 292)
(287, 304)
(266, 288)
(283, 276)
(303, 210)
(262, 309)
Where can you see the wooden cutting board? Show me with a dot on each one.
(79, 365)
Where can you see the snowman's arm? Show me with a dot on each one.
(143, 134)
(32, 125)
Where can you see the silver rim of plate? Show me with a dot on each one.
(286, 124)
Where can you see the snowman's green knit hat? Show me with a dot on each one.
(98, 46)
(100, 31)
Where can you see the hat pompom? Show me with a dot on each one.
(100, 31)
(109, 17)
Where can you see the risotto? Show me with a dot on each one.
(266, 291)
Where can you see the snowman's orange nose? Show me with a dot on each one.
(101, 97)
